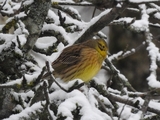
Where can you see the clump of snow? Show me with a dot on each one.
(142, 24)
(115, 56)
(101, 77)
(157, 15)
(22, 28)
(45, 42)
(69, 1)
(155, 6)
(139, 25)
(125, 19)
(140, 1)
(28, 2)
(77, 98)
(7, 41)
(75, 11)
(153, 53)
(27, 111)
(56, 28)
(53, 16)
(18, 108)
(151, 10)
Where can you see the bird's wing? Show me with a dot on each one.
(69, 56)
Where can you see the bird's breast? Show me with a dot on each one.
(91, 63)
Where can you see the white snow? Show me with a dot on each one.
(52, 15)
(125, 19)
(93, 21)
(153, 53)
(157, 15)
(56, 28)
(142, 24)
(45, 42)
(84, 98)
(77, 98)
(115, 56)
(27, 111)
(151, 10)
(28, 2)
(8, 38)
(140, 1)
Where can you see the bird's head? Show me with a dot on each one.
(100, 45)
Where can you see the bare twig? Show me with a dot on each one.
(3, 5)
(68, 11)
(127, 53)
(94, 12)
(18, 41)
(145, 106)
(61, 19)
(122, 110)
(117, 74)
(41, 75)
(47, 105)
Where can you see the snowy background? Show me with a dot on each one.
(29, 38)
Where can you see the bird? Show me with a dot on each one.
(80, 61)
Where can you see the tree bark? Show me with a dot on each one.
(34, 21)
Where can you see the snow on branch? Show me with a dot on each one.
(153, 52)
(143, 1)
(44, 28)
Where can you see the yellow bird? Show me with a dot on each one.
(80, 61)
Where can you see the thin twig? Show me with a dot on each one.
(45, 89)
(75, 86)
(94, 12)
(128, 53)
(145, 105)
(18, 41)
(3, 5)
(122, 110)
(117, 74)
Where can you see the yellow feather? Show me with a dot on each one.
(81, 61)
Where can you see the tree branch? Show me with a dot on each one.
(101, 23)
(34, 22)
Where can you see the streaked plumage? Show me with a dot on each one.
(81, 61)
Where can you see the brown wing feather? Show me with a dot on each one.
(69, 56)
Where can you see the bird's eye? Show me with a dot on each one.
(101, 47)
